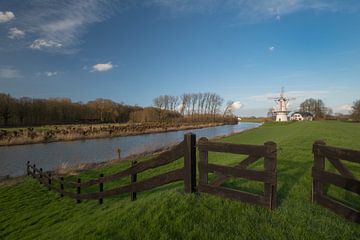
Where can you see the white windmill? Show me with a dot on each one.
(281, 106)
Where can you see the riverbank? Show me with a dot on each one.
(30, 211)
(47, 134)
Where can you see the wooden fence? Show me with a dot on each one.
(268, 176)
(186, 149)
(345, 179)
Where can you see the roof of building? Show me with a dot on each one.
(303, 114)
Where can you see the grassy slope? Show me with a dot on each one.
(29, 211)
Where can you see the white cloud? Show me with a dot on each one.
(271, 49)
(6, 16)
(51, 74)
(344, 109)
(237, 105)
(102, 67)
(9, 72)
(278, 17)
(15, 33)
(42, 43)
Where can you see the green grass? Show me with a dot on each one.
(29, 211)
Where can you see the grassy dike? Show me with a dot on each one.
(29, 211)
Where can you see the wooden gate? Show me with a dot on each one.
(345, 179)
(186, 150)
(254, 152)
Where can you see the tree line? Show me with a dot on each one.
(191, 104)
(30, 112)
(25, 111)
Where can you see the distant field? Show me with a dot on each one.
(30, 211)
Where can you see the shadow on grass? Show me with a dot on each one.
(289, 173)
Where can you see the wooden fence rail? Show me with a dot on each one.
(345, 179)
(268, 176)
(186, 149)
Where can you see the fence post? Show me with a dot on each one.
(34, 171)
(133, 180)
(78, 189)
(101, 187)
(203, 161)
(40, 175)
(49, 181)
(28, 168)
(119, 153)
(190, 162)
(270, 189)
(319, 164)
(61, 186)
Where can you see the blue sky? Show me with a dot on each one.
(133, 51)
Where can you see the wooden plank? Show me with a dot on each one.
(342, 153)
(133, 179)
(49, 181)
(160, 160)
(203, 161)
(319, 164)
(261, 176)
(256, 150)
(339, 208)
(190, 163)
(233, 194)
(349, 184)
(153, 182)
(340, 167)
(78, 190)
(101, 187)
(242, 165)
(270, 166)
(61, 186)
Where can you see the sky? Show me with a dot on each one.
(132, 51)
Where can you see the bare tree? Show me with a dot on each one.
(356, 110)
(314, 106)
(228, 108)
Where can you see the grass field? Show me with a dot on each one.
(30, 211)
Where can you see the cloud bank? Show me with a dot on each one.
(58, 26)
(256, 9)
(9, 72)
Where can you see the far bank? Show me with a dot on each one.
(57, 133)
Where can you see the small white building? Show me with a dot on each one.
(301, 116)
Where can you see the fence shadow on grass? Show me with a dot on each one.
(289, 173)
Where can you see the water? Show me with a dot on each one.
(52, 155)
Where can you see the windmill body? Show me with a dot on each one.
(281, 107)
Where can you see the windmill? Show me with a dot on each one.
(281, 106)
